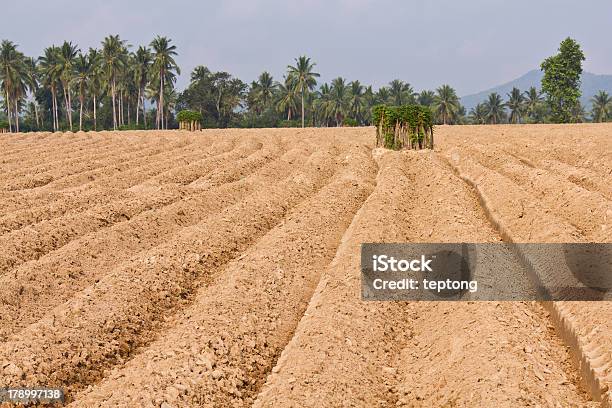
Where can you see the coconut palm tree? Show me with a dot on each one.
(357, 101)
(142, 61)
(113, 60)
(478, 114)
(401, 92)
(339, 101)
(51, 70)
(383, 95)
(516, 104)
(601, 107)
(67, 56)
(322, 104)
(305, 78)
(495, 109)
(165, 66)
(446, 104)
(96, 80)
(12, 79)
(33, 83)
(265, 89)
(82, 75)
(533, 104)
(426, 98)
(287, 93)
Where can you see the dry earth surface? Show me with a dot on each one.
(222, 269)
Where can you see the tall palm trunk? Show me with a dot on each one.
(8, 108)
(114, 108)
(94, 113)
(144, 111)
(69, 111)
(161, 96)
(81, 111)
(302, 106)
(36, 114)
(55, 110)
(16, 115)
(138, 107)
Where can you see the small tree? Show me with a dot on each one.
(561, 81)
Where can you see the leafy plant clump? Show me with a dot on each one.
(4, 126)
(189, 120)
(403, 127)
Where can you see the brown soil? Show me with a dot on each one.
(222, 268)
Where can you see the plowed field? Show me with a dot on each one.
(222, 268)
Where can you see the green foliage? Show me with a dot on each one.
(4, 124)
(289, 124)
(350, 122)
(405, 126)
(189, 116)
(561, 81)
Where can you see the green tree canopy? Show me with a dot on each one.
(561, 81)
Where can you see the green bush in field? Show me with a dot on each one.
(350, 122)
(4, 124)
(189, 116)
(189, 120)
(405, 126)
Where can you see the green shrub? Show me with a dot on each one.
(189, 116)
(350, 122)
(289, 123)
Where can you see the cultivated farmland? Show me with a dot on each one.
(221, 268)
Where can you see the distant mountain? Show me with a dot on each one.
(591, 84)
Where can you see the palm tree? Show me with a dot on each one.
(51, 70)
(164, 66)
(68, 53)
(516, 104)
(338, 100)
(426, 98)
(383, 95)
(478, 114)
(357, 101)
(82, 71)
(113, 59)
(96, 80)
(601, 107)
(401, 93)
(142, 65)
(305, 78)
(446, 104)
(533, 103)
(287, 101)
(266, 88)
(33, 80)
(12, 79)
(495, 109)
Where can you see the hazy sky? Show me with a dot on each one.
(472, 44)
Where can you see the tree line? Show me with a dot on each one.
(109, 87)
(102, 88)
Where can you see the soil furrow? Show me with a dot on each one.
(75, 343)
(229, 338)
(579, 324)
(57, 169)
(372, 350)
(104, 188)
(29, 293)
(36, 240)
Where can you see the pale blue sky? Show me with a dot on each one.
(471, 45)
